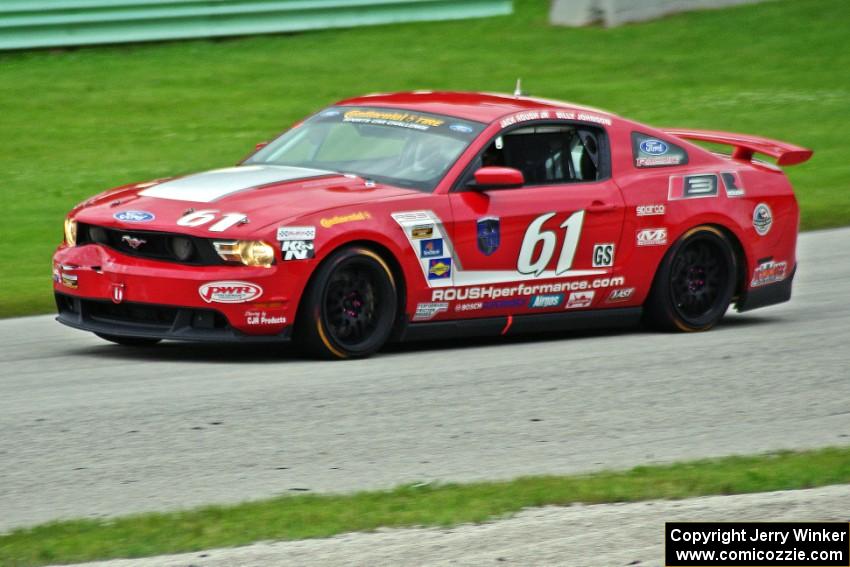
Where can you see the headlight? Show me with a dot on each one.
(70, 232)
(249, 252)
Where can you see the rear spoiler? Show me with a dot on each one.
(745, 146)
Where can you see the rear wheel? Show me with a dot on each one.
(128, 341)
(350, 307)
(694, 283)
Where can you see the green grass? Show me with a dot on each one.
(311, 516)
(73, 123)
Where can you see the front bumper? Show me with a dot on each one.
(148, 321)
(101, 290)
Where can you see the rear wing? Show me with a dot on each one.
(745, 146)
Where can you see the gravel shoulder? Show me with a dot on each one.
(600, 535)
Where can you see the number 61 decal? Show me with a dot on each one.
(528, 265)
(197, 218)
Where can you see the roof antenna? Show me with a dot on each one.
(518, 89)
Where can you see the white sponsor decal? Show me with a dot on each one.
(547, 115)
(769, 272)
(469, 306)
(411, 216)
(762, 219)
(622, 294)
(198, 218)
(657, 160)
(580, 299)
(652, 237)
(650, 210)
(527, 264)
(296, 233)
(229, 292)
(427, 311)
(262, 318)
(70, 280)
(297, 249)
(493, 292)
(603, 255)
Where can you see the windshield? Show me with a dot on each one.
(392, 146)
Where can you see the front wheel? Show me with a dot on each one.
(350, 307)
(128, 341)
(694, 283)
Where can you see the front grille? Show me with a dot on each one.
(150, 244)
(131, 313)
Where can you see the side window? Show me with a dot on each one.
(649, 151)
(548, 154)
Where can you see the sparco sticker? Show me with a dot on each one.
(229, 292)
(649, 210)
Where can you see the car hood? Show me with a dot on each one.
(264, 193)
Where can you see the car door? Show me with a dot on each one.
(548, 244)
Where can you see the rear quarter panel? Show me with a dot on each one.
(660, 189)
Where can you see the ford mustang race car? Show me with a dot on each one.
(432, 214)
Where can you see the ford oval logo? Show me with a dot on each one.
(653, 147)
(463, 128)
(134, 216)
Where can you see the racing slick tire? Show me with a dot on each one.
(128, 341)
(694, 284)
(349, 308)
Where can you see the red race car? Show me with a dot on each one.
(430, 214)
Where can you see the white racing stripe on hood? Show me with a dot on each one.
(211, 185)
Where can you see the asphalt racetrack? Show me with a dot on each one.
(92, 429)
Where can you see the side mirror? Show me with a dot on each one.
(493, 177)
(260, 146)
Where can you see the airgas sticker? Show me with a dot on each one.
(546, 301)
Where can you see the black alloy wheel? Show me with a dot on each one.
(695, 282)
(350, 307)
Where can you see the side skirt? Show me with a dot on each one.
(519, 324)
